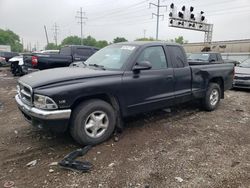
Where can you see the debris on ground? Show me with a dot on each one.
(51, 170)
(179, 179)
(111, 164)
(116, 138)
(31, 163)
(53, 164)
(8, 184)
(70, 163)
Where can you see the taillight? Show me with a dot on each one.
(34, 61)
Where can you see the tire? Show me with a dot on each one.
(92, 122)
(212, 97)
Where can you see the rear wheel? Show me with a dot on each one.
(92, 122)
(212, 98)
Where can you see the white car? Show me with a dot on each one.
(16, 64)
(2, 61)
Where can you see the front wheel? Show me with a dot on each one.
(212, 97)
(92, 122)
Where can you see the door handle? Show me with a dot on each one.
(77, 58)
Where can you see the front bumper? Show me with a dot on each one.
(56, 119)
(245, 84)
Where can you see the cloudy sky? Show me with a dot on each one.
(108, 19)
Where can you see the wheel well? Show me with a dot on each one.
(220, 82)
(105, 97)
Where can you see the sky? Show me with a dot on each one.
(107, 19)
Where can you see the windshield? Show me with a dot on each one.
(111, 57)
(245, 64)
(199, 57)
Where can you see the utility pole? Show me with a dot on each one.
(46, 34)
(55, 28)
(158, 15)
(144, 33)
(81, 18)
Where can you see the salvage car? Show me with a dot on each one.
(17, 64)
(68, 54)
(8, 55)
(242, 75)
(2, 61)
(207, 58)
(118, 81)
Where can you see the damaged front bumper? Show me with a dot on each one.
(55, 119)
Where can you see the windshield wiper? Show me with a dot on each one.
(98, 66)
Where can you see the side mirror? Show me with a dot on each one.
(143, 65)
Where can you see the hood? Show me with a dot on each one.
(16, 58)
(242, 70)
(57, 75)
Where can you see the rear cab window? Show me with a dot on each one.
(66, 51)
(84, 51)
(178, 56)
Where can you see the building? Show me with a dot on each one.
(230, 46)
(5, 48)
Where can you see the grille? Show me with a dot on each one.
(25, 93)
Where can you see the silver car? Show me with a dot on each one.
(242, 75)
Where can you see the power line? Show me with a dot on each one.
(118, 10)
(81, 18)
(55, 28)
(158, 15)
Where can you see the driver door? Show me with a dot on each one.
(151, 89)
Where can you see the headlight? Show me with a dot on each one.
(44, 102)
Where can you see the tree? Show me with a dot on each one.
(71, 40)
(8, 37)
(52, 46)
(180, 40)
(145, 39)
(89, 41)
(101, 43)
(119, 39)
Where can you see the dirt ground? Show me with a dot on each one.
(186, 147)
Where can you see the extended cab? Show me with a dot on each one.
(118, 81)
(67, 55)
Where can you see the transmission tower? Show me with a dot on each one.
(158, 15)
(81, 16)
(55, 29)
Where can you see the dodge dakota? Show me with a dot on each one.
(118, 81)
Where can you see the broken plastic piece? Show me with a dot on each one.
(70, 163)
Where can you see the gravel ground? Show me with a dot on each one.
(186, 147)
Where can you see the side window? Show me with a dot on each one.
(84, 52)
(155, 55)
(178, 56)
(65, 51)
(213, 57)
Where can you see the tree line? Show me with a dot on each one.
(8, 37)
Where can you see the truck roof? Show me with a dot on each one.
(206, 52)
(81, 46)
(142, 43)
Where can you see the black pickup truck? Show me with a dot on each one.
(67, 55)
(119, 80)
(207, 58)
